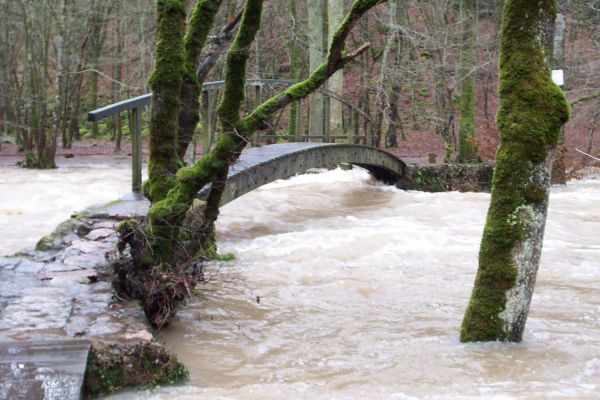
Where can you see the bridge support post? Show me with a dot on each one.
(136, 150)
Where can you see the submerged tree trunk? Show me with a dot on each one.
(532, 111)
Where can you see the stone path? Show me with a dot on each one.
(43, 370)
(53, 302)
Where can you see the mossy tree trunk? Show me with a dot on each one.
(532, 111)
(165, 218)
(200, 24)
(467, 148)
(162, 250)
(166, 82)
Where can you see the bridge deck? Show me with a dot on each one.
(258, 166)
(253, 156)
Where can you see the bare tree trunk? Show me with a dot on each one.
(467, 148)
(117, 69)
(60, 80)
(559, 169)
(335, 16)
(532, 111)
(295, 60)
(317, 17)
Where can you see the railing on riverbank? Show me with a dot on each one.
(135, 105)
(355, 120)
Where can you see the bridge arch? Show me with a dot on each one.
(259, 166)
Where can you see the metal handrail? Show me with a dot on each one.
(135, 104)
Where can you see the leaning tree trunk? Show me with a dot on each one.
(199, 27)
(532, 111)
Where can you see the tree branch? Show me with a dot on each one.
(335, 61)
(218, 44)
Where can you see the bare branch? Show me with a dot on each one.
(335, 60)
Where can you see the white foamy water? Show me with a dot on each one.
(346, 289)
(34, 202)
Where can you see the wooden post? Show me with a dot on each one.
(356, 127)
(299, 127)
(136, 150)
(205, 112)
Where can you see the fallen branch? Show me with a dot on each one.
(586, 154)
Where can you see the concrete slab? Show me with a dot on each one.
(45, 370)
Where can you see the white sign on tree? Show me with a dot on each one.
(558, 77)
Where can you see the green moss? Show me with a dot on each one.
(199, 27)
(113, 368)
(166, 81)
(127, 225)
(532, 111)
(58, 239)
(166, 217)
(225, 257)
(448, 177)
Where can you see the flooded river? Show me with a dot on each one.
(34, 202)
(347, 289)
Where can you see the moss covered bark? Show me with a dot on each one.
(201, 22)
(166, 81)
(165, 218)
(532, 111)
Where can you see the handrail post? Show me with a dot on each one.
(136, 150)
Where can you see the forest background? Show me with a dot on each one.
(60, 59)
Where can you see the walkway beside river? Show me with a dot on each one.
(55, 302)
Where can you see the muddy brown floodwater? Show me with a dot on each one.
(34, 202)
(347, 289)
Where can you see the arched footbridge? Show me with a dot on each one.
(258, 166)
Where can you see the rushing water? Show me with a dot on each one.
(34, 202)
(347, 289)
